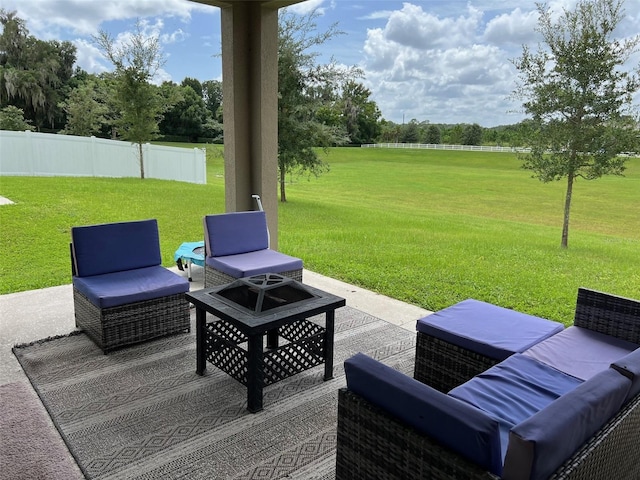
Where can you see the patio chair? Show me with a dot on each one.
(237, 246)
(122, 294)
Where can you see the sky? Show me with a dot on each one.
(441, 61)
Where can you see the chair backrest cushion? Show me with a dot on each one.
(235, 232)
(540, 444)
(115, 247)
(580, 352)
(449, 421)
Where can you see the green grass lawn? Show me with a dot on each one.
(426, 227)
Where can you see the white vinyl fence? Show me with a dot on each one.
(46, 154)
(438, 146)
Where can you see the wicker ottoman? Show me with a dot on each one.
(461, 341)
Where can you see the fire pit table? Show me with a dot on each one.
(250, 309)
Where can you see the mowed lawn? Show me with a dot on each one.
(424, 226)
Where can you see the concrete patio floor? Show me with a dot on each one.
(37, 314)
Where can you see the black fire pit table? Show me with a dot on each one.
(250, 309)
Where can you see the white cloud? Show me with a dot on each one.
(89, 57)
(416, 28)
(426, 67)
(307, 7)
(46, 18)
(517, 27)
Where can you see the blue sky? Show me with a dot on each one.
(443, 61)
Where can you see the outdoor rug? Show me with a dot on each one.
(143, 413)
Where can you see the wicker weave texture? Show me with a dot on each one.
(443, 365)
(214, 277)
(115, 327)
(374, 445)
(609, 314)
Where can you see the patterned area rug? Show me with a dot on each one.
(143, 413)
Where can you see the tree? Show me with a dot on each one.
(410, 132)
(12, 118)
(212, 96)
(193, 83)
(141, 104)
(433, 135)
(578, 96)
(304, 88)
(86, 110)
(188, 114)
(389, 132)
(360, 114)
(33, 73)
(472, 135)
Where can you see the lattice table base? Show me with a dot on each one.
(227, 349)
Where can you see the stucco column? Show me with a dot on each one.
(250, 104)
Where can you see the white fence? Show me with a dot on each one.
(436, 146)
(46, 154)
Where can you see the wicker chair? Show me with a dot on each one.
(237, 246)
(122, 295)
(371, 443)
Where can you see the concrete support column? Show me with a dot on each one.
(250, 103)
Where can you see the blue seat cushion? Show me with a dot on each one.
(121, 288)
(255, 263)
(629, 366)
(115, 247)
(487, 329)
(451, 422)
(540, 444)
(580, 352)
(235, 232)
(514, 390)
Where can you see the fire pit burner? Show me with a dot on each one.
(262, 293)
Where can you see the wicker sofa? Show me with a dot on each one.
(589, 431)
(122, 294)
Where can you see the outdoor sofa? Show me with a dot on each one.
(122, 294)
(568, 406)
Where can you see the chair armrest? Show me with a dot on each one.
(609, 314)
(373, 444)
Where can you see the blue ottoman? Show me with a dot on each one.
(461, 341)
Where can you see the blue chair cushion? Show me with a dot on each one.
(236, 232)
(121, 288)
(540, 444)
(255, 263)
(487, 329)
(629, 366)
(580, 352)
(115, 247)
(455, 424)
(514, 390)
